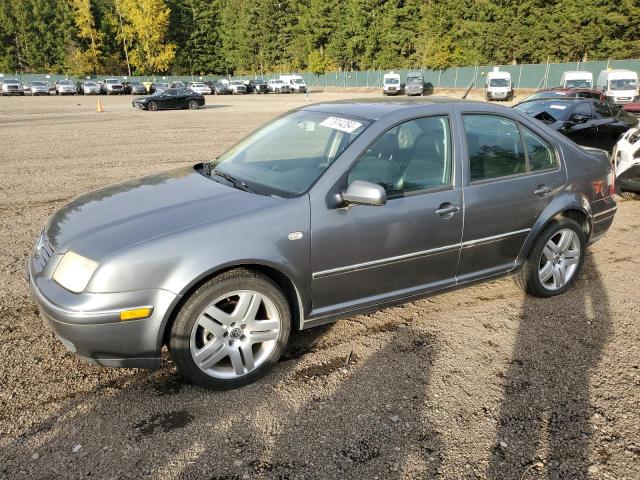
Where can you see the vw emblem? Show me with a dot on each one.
(235, 333)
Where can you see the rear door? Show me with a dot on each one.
(512, 172)
(584, 133)
(610, 126)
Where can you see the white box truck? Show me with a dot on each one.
(391, 84)
(499, 86)
(619, 86)
(576, 79)
(296, 83)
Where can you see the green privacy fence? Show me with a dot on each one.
(523, 75)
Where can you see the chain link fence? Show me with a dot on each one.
(523, 75)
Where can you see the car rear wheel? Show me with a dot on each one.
(231, 331)
(193, 105)
(630, 195)
(555, 261)
(152, 106)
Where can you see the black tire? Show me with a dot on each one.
(193, 105)
(528, 278)
(152, 106)
(237, 279)
(630, 195)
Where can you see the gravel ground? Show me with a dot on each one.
(479, 383)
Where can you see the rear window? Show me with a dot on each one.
(547, 111)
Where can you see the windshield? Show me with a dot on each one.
(236, 82)
(286, 156)
(39, 84)
(65, 82)
(499, 82)
(90, 84)
(199, 85)
(623, 84)
(110, 81)
(548, 111)
(578, 83)
(391, 81)
(546, 94)
(298, 81)
(414, 79)
(11, 81)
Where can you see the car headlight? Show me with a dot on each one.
(74, 272)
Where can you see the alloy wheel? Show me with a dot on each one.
(559, 260)
(235, 334)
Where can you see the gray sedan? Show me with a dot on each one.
(328, 211)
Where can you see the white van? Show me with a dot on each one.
(391, 84)
(499, 86)
(619, 86)
(296, 83)
(576, 79)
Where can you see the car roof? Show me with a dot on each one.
(376, 108)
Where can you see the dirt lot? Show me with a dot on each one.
(479, 383)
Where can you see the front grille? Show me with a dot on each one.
(12, 87)
(42, 253)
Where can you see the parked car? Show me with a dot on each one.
(178, 84)
(236, 87)
(576, 79)
(220, 88)
(66, 87)
(257, 86)
(158, 87)
(391, 84)
(200, 88)
(88, 87)
(296, 83)
(588, 122)
(632, 108)
(319, 215)
(499, 86)
(134, 88)
(566, 92)
(626, 156)
(36, 88)
(12, 86)
(278, 86)
(170, 99)
(414, 84)
(619, 86)
(112, 86)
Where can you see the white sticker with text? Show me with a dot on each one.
(342, 124)
(558, 107)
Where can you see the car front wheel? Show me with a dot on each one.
(555, 261)
(152, 106)
(193, 105)
(231, 331)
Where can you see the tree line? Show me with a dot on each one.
(83, 37)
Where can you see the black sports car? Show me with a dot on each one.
(588, 122)
(170, 99)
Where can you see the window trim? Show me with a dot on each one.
(519, 124)
(441, 188)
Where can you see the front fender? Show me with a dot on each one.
(565, 201)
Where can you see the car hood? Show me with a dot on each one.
(103, 222)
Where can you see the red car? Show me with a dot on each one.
(632, 108)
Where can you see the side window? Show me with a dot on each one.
(584, 109)
(540, 153)
(171, 92)
(602, 110)
(495, 147)
(410, 157)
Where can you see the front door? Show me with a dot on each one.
(512, 174)
(370, 254)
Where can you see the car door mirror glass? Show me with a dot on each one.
(361, 192)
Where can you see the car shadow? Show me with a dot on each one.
(544, 418)
(209, 107)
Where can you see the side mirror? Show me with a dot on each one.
(360, 192)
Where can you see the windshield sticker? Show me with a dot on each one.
(558, 107)
(341, 124)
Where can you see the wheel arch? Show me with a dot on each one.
(574, 206)
(282, 280)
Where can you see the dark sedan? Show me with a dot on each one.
(257, 86)
(565, 92)
(329, 211)
(588, 122)
(158, 87)
(170, 99)
(134, 88)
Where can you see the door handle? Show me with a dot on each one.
(447, 209)
(542, 190)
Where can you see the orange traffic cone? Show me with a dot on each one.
(99, 108)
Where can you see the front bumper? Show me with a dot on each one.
(89, 325)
